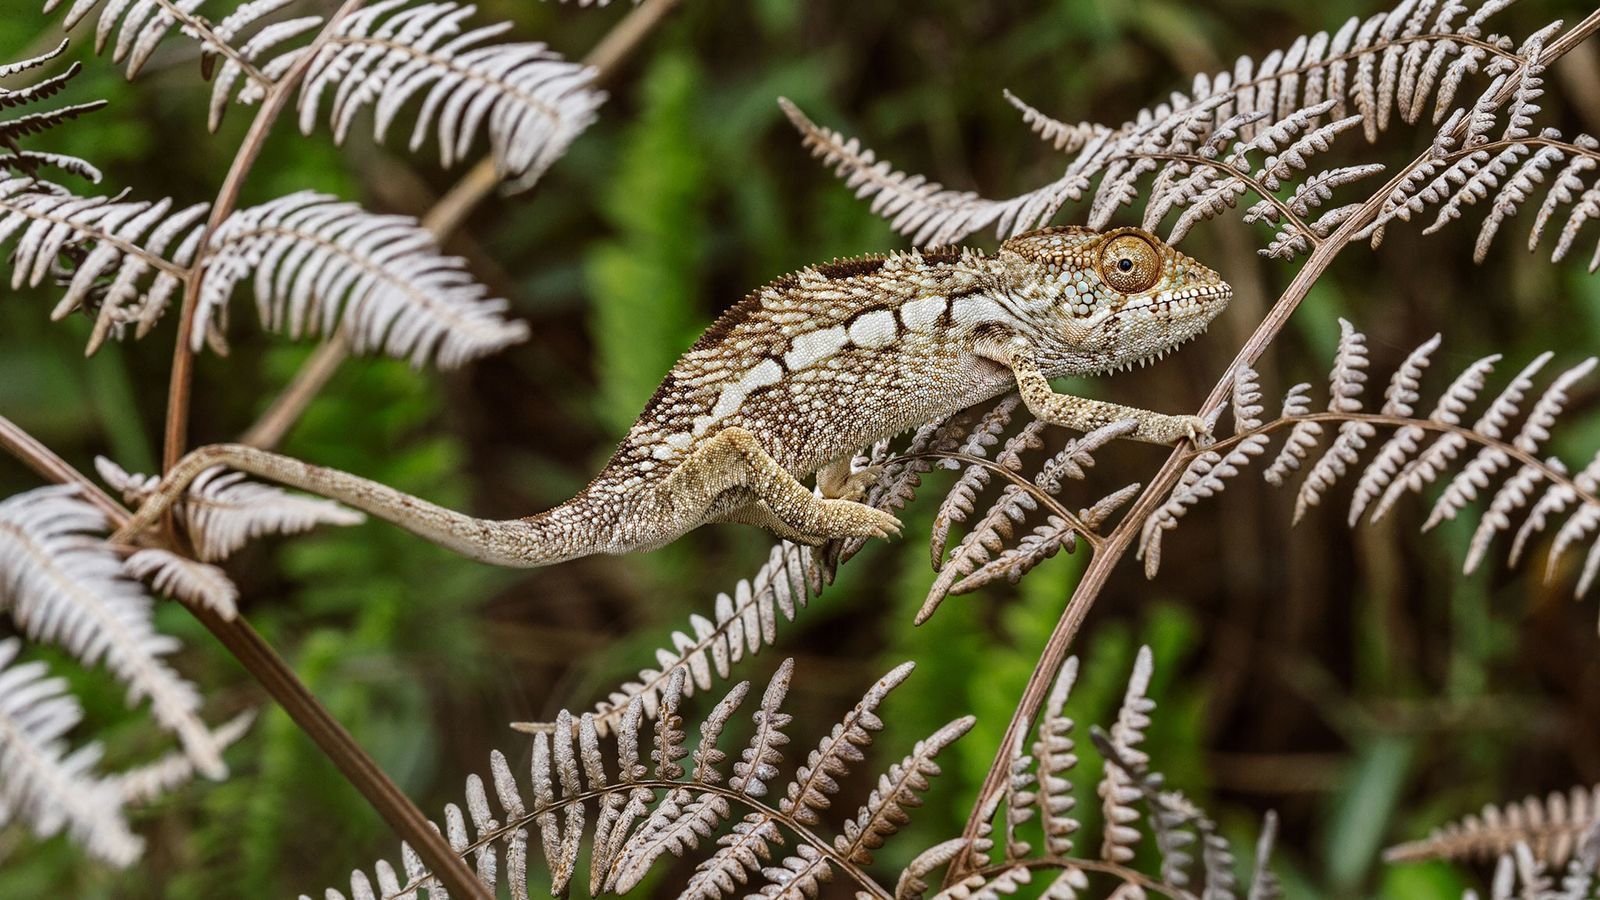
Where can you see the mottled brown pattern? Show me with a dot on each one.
(798, 376)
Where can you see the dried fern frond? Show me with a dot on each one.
(741, 624)
(13, 130)
(1369, 69)
(1198, 166)
(222, 512)
(986, 553)
(1504, 173)
(185, 579)
(48, 786)
(530, 101)
(124, 258)
(1194, 858)
(152, 781)
(141, 26)
(647, 813)
(62, 584)
(1551, 827)
(323, 266)
(1521, 875)
(1527, 492)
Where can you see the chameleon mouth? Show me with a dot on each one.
(1186, 300)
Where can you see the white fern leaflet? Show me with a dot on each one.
(531, 102)
(319, 265)
(63, 585)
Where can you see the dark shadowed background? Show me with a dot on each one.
(1353, 681)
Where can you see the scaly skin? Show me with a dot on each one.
(806, 371)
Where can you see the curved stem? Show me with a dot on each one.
(1127, 875)
(1078, 525)
(272, 673)
(208, 39)
(1122, 537)
(1247, 179)
(240, 639)
(277, 99)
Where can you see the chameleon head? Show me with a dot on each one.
(1117, 297)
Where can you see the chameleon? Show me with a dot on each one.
(800, 375)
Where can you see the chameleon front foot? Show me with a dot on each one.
(1178, 429)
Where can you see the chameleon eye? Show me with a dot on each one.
(1129, 263)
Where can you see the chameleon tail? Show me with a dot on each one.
(539, 540)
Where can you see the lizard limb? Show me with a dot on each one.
(759, 515)
(1081, 413)
(733, 458)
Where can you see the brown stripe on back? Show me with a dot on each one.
(850, 268)
(940, 256)
(737, 313)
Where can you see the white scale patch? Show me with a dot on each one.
(920, 315)
(814, 346)
(975, 310)
(873, 330)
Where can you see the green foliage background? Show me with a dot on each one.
(1352, 681)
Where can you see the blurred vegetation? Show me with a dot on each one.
(1352, 681)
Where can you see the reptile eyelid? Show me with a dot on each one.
(1130, 263)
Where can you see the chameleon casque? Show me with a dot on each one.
(805, 372)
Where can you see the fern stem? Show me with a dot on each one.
(180, 386)
(257, 656)
(41, 459)
(269, 669)
(1121, 538)
(1115, 870)
(208, 39)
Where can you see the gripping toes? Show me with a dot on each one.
(1176, 429)
(847, 518)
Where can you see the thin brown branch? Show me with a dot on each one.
(1245, 178)
(41, 459)
(268, 668)
(180, 386)
(1122, 537)
(207, 37)
(236, 635)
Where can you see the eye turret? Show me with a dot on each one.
(1130, 263)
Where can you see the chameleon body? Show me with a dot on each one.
(806, 371)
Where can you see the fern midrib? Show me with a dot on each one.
(208, 38)
(100, 235)
(90, 605)
(1550, 473)
(771, 813)
(449, 64)
(443, 310)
